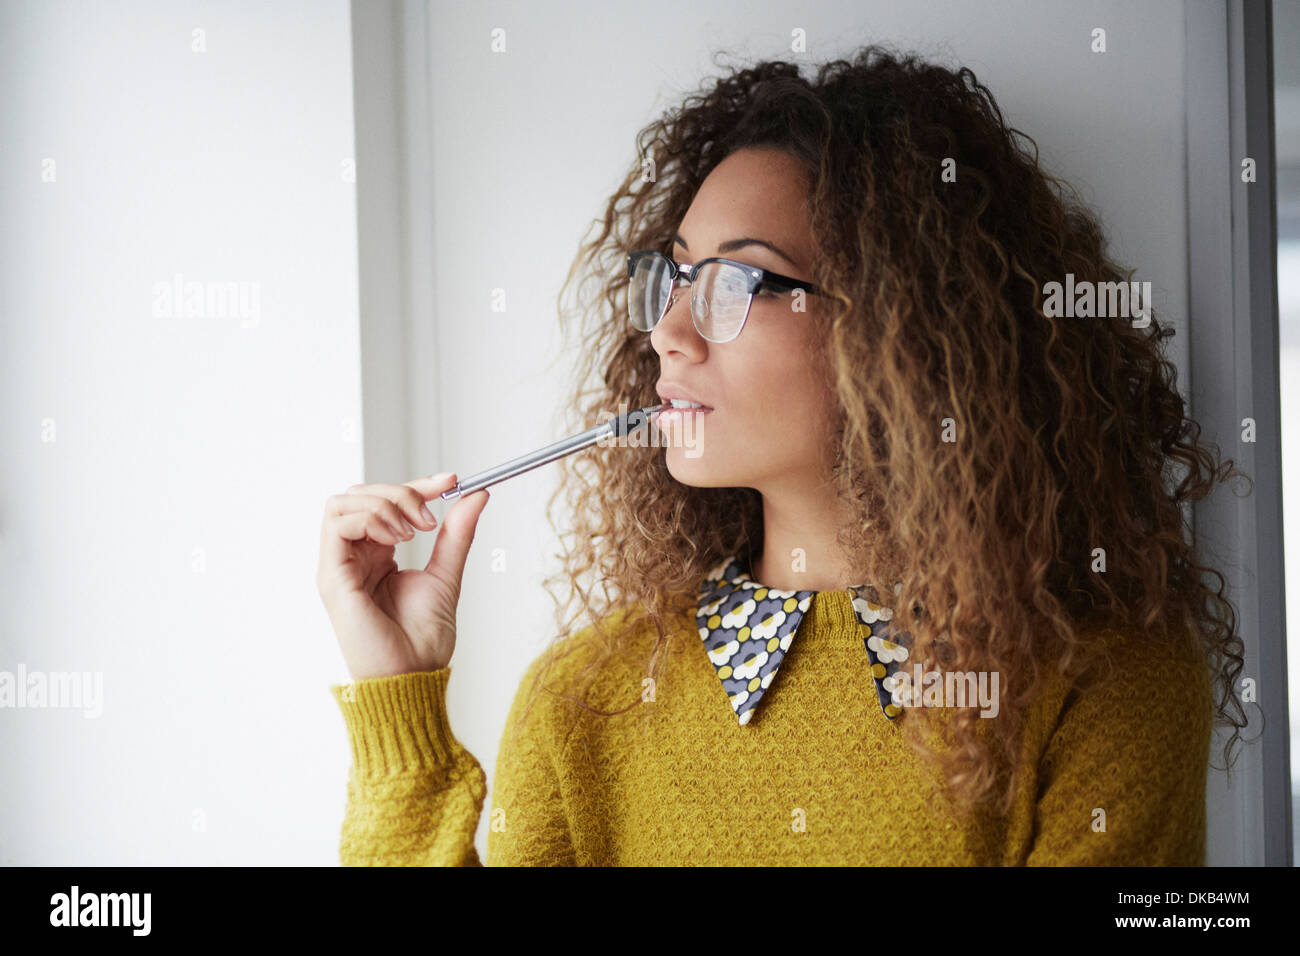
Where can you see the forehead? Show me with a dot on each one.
(753, 192)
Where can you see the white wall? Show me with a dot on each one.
(529, 143)
(163, 477)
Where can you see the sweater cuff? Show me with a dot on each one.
(398, 724)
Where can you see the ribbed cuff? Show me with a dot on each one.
(398, 723)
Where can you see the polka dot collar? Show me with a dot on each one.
(747, 630)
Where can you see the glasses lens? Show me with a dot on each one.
(647, 294)
(720, 301)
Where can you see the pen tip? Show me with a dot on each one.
(636, 418)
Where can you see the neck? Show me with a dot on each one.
(801, 550)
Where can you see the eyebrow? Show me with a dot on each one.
(731, 245)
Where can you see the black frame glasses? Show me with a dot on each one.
(756, 279)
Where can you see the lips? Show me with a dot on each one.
(670, 415)
(670, 418)
(669, 391)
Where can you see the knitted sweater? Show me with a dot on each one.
(1115, 774)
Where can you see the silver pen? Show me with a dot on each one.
(619, 425)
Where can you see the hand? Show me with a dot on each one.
(389, 621)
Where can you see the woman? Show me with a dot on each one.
(893, 418)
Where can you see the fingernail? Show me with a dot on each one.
(428, 515)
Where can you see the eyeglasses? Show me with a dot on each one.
(722, 291)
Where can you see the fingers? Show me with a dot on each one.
(409, 498)
(388, 513)
(366, 524)
(458, 526)
(337, 530)
(390, 510)
(432, 486)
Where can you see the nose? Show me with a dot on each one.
(676, 330)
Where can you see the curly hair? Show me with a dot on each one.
(1068, 432)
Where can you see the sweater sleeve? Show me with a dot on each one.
(415, 794)
(1122, 779)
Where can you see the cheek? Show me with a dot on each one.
(781, 378)
(789, 404)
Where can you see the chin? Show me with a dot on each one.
(688, 470)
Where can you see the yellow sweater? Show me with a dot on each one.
(824, 778)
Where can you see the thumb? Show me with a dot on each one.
(451, 546)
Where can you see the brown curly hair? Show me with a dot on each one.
(1069, 431)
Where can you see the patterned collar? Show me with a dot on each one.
(747, 630)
